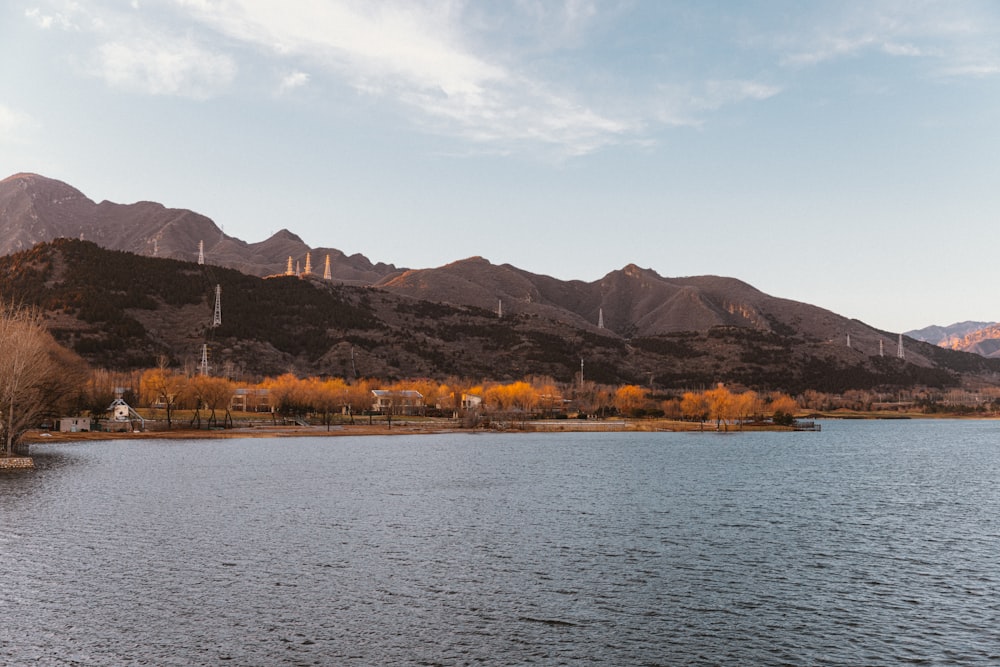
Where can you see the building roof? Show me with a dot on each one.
(405, 393)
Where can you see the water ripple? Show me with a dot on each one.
(866, 543)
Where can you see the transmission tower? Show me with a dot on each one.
(217, 319)
(600, 318)
(201, 252)
(499, 307)
(899, 348)
(204, 359)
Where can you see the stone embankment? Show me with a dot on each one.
(16, 463)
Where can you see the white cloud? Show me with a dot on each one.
(14, 125)
(64, 18)
(133, 47)
(830, 47)
(894, 49)
(417, 54)
(976, 70)
(293, 80)
(953, 38)
(505, 76)
(722, 93)
(687, 106)
(160, 65)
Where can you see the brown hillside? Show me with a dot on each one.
(35, 209)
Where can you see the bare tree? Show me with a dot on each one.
(36, 375)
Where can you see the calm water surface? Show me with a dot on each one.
(868, 543)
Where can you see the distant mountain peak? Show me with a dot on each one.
(286, 235)
(24, 176)
(633, 270)
(982, 338)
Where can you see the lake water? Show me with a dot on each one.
(867, 543)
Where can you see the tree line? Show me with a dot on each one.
(537, 396)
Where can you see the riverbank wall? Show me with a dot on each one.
(16, 463)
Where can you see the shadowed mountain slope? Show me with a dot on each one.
(120, 310)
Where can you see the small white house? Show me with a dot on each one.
(404, 402)
(73, 424)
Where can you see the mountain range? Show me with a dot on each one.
(981, 338)
(468, 317)
(35, 209)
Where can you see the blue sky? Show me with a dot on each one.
(846, 154)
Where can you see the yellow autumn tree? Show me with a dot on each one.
(164, 386)
(358, 396)
(720, 405)
(694, 406)
(783, 408)
(327, 397)
(748, 406)
(629, 399)
(288, 394)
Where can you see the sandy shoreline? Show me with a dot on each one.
(42, 437)
(364, 429)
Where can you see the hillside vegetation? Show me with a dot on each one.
(123, 311)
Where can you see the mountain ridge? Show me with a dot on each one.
(35, 209)
(631, 301)
(124, 311)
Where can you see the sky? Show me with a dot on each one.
(844, 154)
